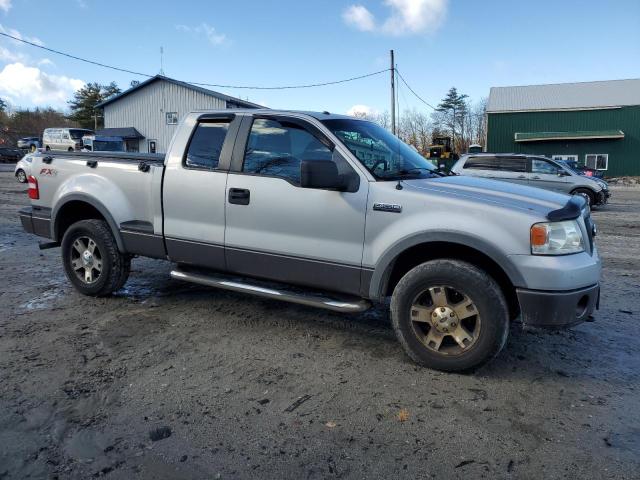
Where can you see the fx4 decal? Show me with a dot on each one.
(49, 171)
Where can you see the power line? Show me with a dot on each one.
(413, 91)
(247, 87)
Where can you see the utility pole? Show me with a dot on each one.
(161, 61)
(393, 94)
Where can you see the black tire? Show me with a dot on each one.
(47, 148)
(114, 266)
(586, 194)
(21, 176)
(469, 281)
(70, 149)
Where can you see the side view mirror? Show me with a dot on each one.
(562, 173)
(321, 174)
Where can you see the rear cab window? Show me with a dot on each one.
(206, 144)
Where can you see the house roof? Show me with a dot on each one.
(565, 96)
(126, 132)
(237, 101)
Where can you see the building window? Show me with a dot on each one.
(597, 161)
(567, 158)
(172, 118)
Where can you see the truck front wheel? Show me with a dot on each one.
(91, 258)
(449, 315)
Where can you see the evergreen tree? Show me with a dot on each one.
(83, 105)
(453, 109)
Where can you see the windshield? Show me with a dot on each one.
(567, 166)
(78, 134)
(383, 154)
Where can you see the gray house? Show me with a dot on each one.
(147, 115)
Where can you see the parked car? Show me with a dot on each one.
(10, 154)
(327, 211)
(66, 139)
(29, 143)
(584, 171)
(101, 143)
(533, 171)
(23, 168)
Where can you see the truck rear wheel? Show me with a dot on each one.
(91, 258)
(449, 315)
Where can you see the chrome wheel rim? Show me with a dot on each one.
(86, 259)
(22, 177)
(445, 320)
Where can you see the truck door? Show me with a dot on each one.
(281, 231)
(194, 191)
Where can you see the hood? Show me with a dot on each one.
(504, 194)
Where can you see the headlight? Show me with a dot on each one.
(556, 238)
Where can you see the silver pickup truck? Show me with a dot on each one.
(329, 211)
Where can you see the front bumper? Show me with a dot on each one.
(36, 221)
(557, 309)
(602, 197)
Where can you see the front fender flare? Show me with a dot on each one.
(382, 269)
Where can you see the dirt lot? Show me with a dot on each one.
(250, 388)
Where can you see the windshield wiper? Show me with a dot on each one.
(418, 170)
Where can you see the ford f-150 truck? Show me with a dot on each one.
(329, 211)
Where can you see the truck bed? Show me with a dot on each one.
(124, 187)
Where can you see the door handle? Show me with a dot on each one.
(522, 177)
(536, 177)
(239, 196)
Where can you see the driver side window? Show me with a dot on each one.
(277, 147)
(539, 165)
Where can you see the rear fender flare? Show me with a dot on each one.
(81, 197)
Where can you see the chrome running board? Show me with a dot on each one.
(312, 300)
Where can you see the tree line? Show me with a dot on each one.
(456, 116)
(25, 122)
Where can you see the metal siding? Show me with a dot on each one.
(560, 96)
(145, 111)
(624, 154)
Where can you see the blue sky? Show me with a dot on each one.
(470, 44)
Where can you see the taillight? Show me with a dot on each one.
(34, 193)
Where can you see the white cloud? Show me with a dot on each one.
(5, 5)
(15, 33)
(7, 55)
(23, 84)
(210, 33)
(359, 17)
(414, 16)
(361, 111)
(406, 17)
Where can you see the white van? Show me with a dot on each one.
(67, 139)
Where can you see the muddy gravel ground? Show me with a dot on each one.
(169, 380)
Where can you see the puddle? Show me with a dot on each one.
(45, 300)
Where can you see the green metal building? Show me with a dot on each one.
(596, 124)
